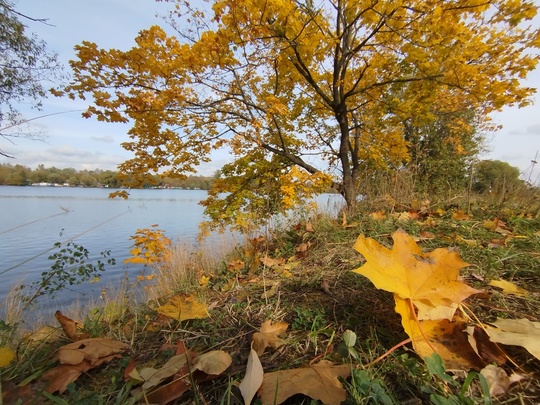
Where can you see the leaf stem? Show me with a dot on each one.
(388, 352)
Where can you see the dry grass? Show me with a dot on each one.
(319, 300)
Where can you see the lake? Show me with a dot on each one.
(35, 218)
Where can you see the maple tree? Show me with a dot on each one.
(301, 94)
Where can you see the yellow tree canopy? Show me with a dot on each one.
(319, 86)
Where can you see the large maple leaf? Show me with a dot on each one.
(429, 280)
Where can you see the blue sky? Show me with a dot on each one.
(72, 141)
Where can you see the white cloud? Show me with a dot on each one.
(106, 138)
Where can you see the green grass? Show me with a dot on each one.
(320, 300)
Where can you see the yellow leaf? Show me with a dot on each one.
(182, 307)
(430, 280)
(458, 355)
(6, 356)
(378, 215)
(268, 335)
(509, 288)
(204, 280)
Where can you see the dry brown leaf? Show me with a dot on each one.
(171, 391)
(59, 377)
(236, 265)
(517, 332)
(301, 249)
(486, 349)
(253, 379)
(498, 381)
(20, 395)
(69, 326)
(214, 362)
(269, 262)
(153, 377)
(94, 350)
(319, 382)
(268, 335)
(182, 307)
(44, 334)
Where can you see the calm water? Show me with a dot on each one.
(33, 219)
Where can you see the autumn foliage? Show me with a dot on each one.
(303, 95)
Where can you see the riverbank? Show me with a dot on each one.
(300, 278)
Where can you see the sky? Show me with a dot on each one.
(70, 140)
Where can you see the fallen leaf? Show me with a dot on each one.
(268, 335)
(509, 288)
(181, 382)
(426, 235)
(43, 334)
(496, 225)
(170, 391)
(269, 262)
(378, 215)
(497, 380)
(274, 288)
(459, 215)
(69, 326)
(16, 394)
(253, 378)
(6, 356)
(430, 280)
(153, 377)
(319, 382)
(469, 242)
(402, 216)
(344, 222)
(517, 332)
(59, 377)
(446, 338)
(302, 249)
(490, 352)
(236, 265)
(213, 362)
(93, 350)
(182, 307)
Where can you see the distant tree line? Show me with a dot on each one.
(18, 175)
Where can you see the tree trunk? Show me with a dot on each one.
(348, 189)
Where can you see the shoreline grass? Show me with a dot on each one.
(316, 293)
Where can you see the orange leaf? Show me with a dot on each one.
(69, 326)
(459, 215)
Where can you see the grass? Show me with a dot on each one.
(317, 295)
